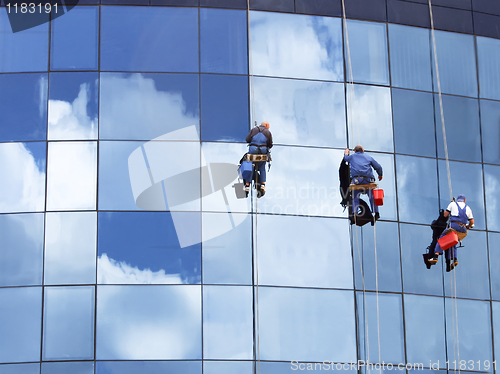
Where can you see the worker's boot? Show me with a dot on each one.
(377, 216)
(434, 259)
(455, 262)
(448, 265)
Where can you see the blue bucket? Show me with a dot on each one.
(245, 170)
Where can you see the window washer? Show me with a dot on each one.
(361, 173)
(461, 220)
(260, 141)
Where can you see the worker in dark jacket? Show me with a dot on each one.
(260, 141)
(361, 173)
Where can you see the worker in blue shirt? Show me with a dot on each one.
(361, 173)
(260, 141)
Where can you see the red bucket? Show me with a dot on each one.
(378, 196)
(449, 240)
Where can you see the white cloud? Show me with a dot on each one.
(111, 271)
(302, 112)
(149, 322)
(133, 108)
(70, 121)
(23, 183)
(370, 117)
(297, 46)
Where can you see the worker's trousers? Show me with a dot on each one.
(261, 164)
(356, 193)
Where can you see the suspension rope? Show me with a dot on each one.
(453, 280)
(376, 292)
(352, 96)
(255, 251)
(250, 68)
(355, 121)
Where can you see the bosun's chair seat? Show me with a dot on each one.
(364, 187)
(252, 158)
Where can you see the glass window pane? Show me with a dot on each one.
(388, 184)
(223, 41)
(20, 324)
(302, 112)
(414, 123)
(23, 104)
(70, 248)
(463, 137)
(410, 61)
(388, 271)
(422, 343)
(20, 369)
(457, 64)
(474, 325)
(227, 322)
(115, 190)
(72, 176)
(369, 117)
(466, 179)
(26, 50)
(227, 258)
(492, 186)
(219, 176)
(296, 46)
(149, 39)
(75, 39)
(224, 108)
(466, 279)
(21, 257)
(144, 248)
(148, 367)
(490, 130)
(68, 328)
(488, 55)
(22, 192)
(417, 178)
(73, 106)
(380, 313)
(146, 106)
(181, 180)
(494, 257)
(158, 322)
(226, 235)
(416, 277)
(239, 4)
(495, 306)
(306, 325)
(367, 51)
(67, 367)
(284, 251)
(303, 187)
(134, 176)
(228, 367)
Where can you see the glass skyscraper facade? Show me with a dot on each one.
(123, 246)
